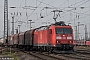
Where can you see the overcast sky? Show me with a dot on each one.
(33, 10)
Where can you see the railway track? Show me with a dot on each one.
(41, 56)
(44, 56)
(77, 55)
(73, 56)
(82, 52)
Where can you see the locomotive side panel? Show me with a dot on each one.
(35, 38)
(44, 37)
(49, 37)
(41, 38)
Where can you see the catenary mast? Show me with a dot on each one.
(6, 20)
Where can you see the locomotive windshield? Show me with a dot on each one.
(63, 31)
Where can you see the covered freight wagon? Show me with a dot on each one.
(21, 40)
(16, 40)
(11, 42)
(29, 39)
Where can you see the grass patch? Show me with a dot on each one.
(11, 54)
(14, 55)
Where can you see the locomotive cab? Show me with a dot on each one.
(62, 36)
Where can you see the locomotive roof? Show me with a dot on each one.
(61, 23)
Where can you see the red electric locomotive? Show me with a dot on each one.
(57, 36)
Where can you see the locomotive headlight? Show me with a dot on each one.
(58, 37)
(69, 37)
(70, 41)
(57, 41)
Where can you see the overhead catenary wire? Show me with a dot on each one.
(80, 17)
(34, 10)
(83, 3)
(44, 16)
(49, 5)
(86, 1)
(80, 1)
